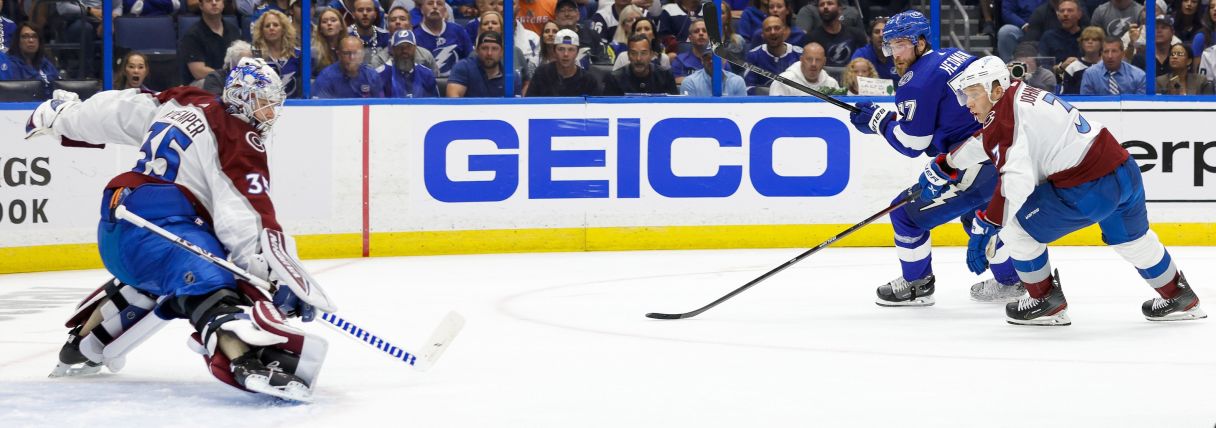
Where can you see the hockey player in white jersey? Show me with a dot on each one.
(1058, 173)
(204, 176)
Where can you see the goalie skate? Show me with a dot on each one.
(900, 292)
(71, 361)
(992, 291)
(1184, 306)
(257, 377)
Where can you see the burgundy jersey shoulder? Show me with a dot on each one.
(999, 126)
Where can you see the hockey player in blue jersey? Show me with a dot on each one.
(931, 122)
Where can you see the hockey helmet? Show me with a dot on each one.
(250, 81)
(983, 72)
(910, 25)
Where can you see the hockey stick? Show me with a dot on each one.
(907, 198)
(709, 10)
(439, 341)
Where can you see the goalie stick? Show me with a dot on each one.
(709, 11)
(447, 330)
(907, 198)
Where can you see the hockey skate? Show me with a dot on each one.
(1051, 310)
(992, 291)
(71, 361)
(1184, 305)
(900, 292)
(257, 377)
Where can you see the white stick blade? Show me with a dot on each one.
(441, 338)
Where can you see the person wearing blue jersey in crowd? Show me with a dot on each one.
(775, 55)
(448, 43)
(404, 78)
(873, 52)
(348, 16)
(27, 60)
(752, 18)
(349, 77)
(375, 39)
(931, 122)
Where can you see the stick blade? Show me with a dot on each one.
(440, 339)
(659, 316)
(712, 17)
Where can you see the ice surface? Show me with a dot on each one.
(560, 340)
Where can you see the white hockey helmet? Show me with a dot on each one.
(252, 80)
(984, 72)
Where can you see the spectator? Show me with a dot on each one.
(690, 60)
(563, 78)
(416, 12)
(810, 64)
(448, 43)
(375, 39)
(673, 21)
(649, 7)
(1044, 19)
(489, 21)
(700, 82)
(132, 72)
(1072, 69)
(619, 43)
(528, 44)
(535, 13)
(1163, 39)
(202, 47)
(1116, 16)
(1186, 20)
(399, 19)
(1207, 64)
(777, 8)
(1016, 14)
(858, 67)
(350, 77)
(808, 19)
(8, 28)
(214, 82)
(278, 44)
(405, 78)
(592, 49)
(606, 22)
(1061, 43)
(1113, 76)
(775, 55)
(146, 8)
(283, 6)
(1207, 35)
(645, 27)
(548, 51)
(874, 54)
(28, 60)
(325, 39)
(1038, 77)
(481, 75)
(752, 19)
(838, 40)
(81, 29)
(641, 76)
(735, 44)
(346, 9)
(483, 6)
(1180, 80)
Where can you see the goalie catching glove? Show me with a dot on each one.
(298, 294)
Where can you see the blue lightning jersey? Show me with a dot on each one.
(449, 46)
(930, 119)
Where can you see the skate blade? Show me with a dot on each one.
(293, 391)
(70, 370)
(919, 301)
(1058, 320)
(1194, 314)
(998, 300)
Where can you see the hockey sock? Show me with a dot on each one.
(1038, 290)
(1002, 266)
(1169, 290)
(913, 245)
(1035, 273)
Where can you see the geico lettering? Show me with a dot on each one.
(505, 160)
(18, 212)
(1146, 155)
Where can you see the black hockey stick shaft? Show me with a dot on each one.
(907, 198)
(709, 11)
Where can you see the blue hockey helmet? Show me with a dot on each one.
(910, 24)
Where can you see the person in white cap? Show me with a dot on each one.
(563, 77)
(404, 78)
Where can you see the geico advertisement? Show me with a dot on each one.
(632, 164)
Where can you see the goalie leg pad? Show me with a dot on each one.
(124, 325)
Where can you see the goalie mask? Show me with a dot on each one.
(254, 93)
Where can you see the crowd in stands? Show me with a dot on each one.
(456, 48)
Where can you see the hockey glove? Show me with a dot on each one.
(43, 118)
(982, 231)
(938, 174)
(291, 305)
(871, 119)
